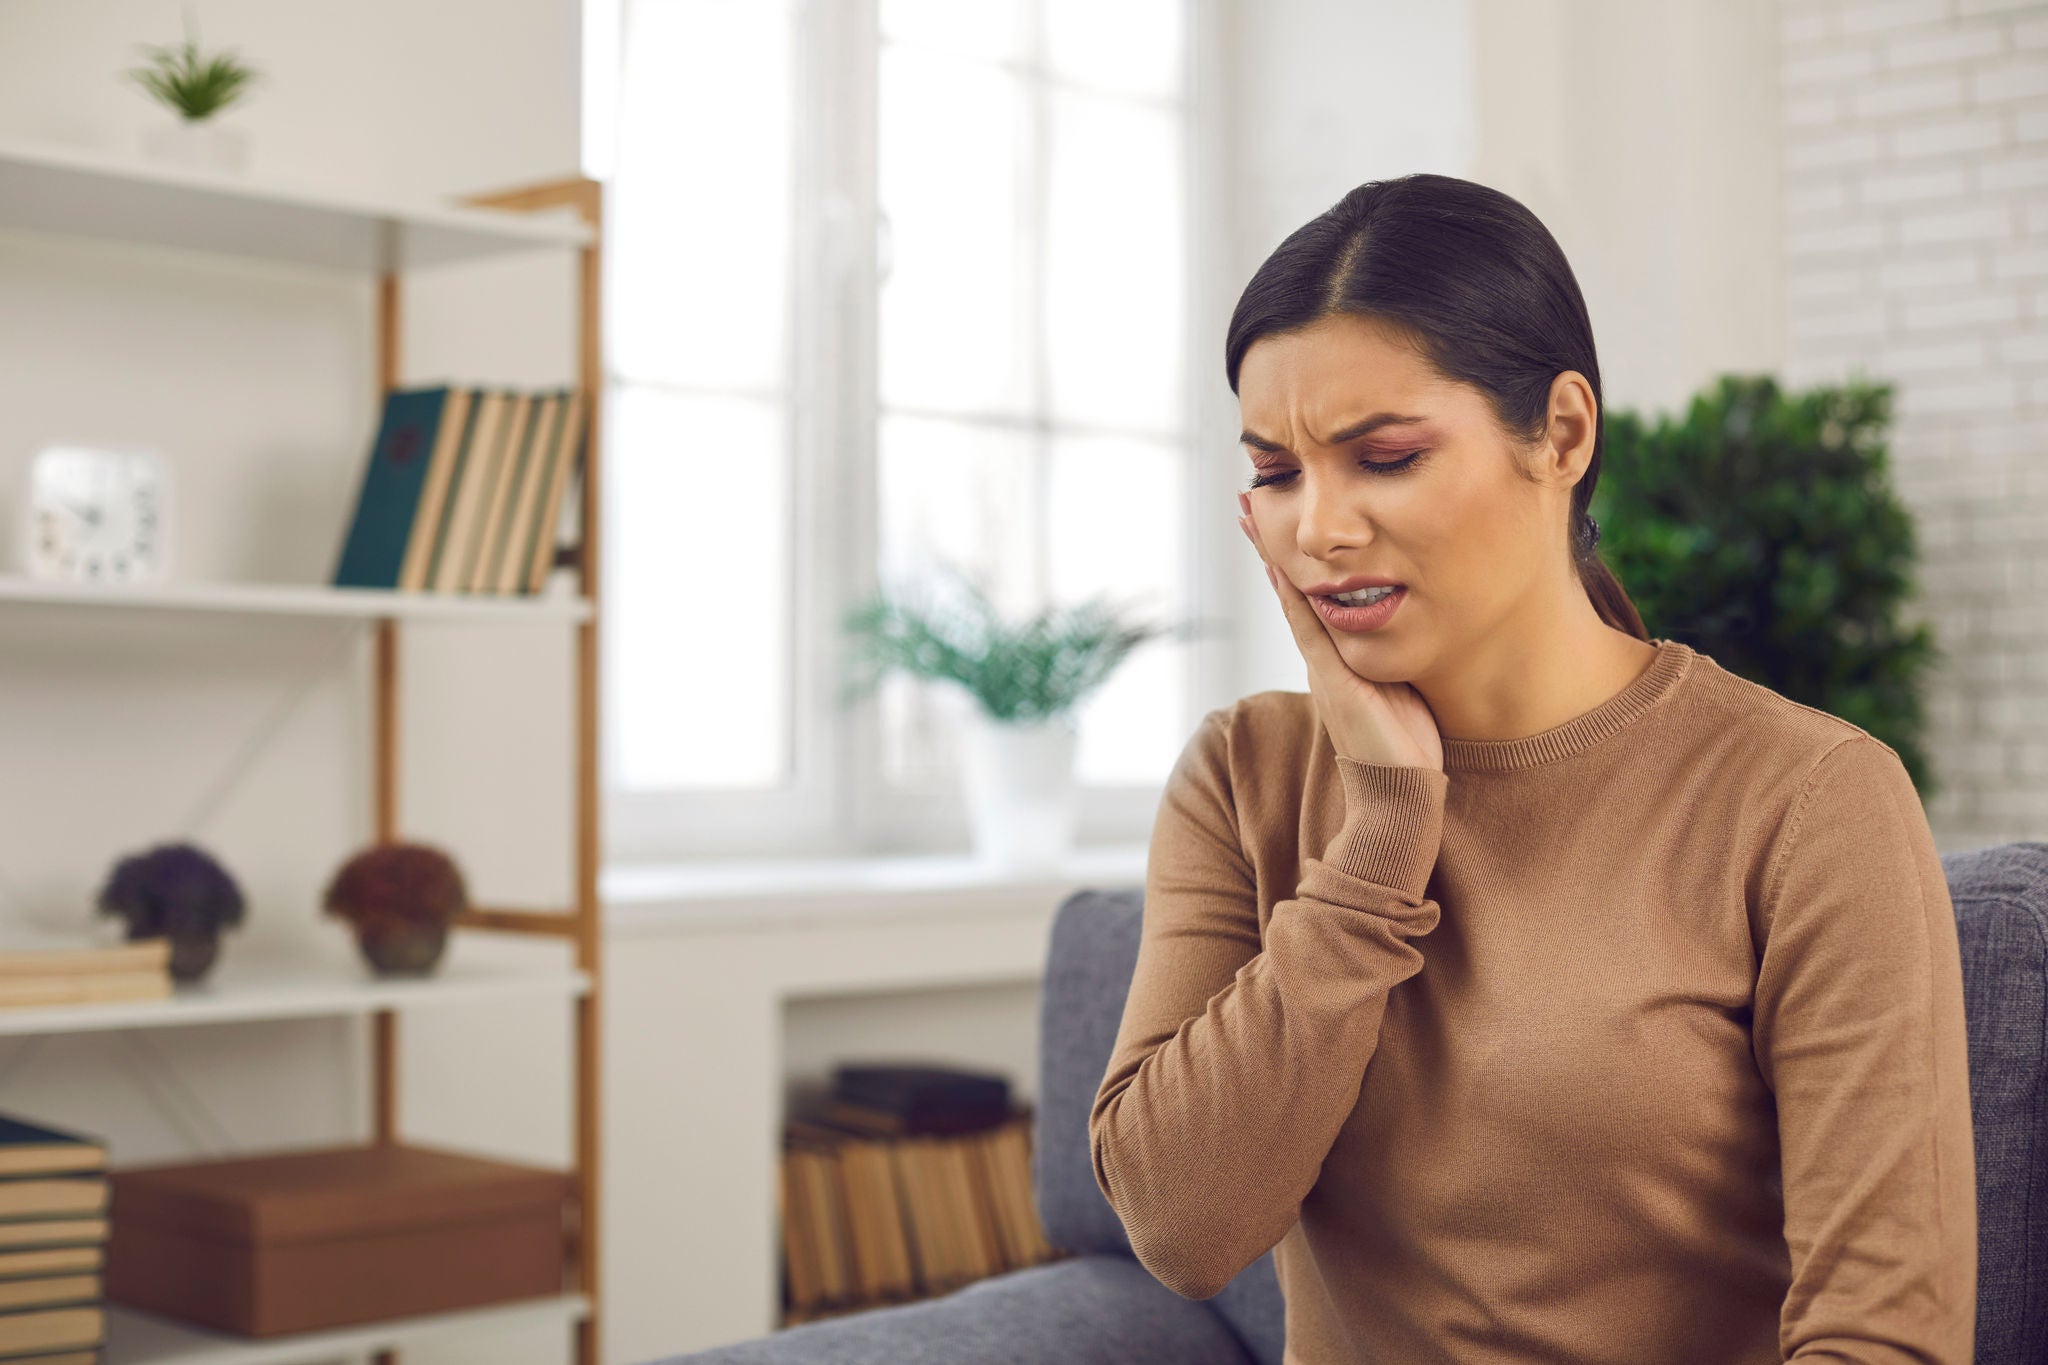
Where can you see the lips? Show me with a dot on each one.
(1351, 585)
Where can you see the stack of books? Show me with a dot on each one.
(53, 1239)
(43, 967)
(902, 1186)
(463, 491)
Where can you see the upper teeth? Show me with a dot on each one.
(1362, 596)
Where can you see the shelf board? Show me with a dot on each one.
(245, 987)
(135, 1337)
(283, 599)
(84, 192)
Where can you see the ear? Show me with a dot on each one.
(1574, 424)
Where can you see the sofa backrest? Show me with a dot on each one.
(2001, 906)
(1090, 959)
(2001, 903)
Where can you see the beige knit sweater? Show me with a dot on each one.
(1639, 1040)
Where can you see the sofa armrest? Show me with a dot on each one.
(1079, 1310)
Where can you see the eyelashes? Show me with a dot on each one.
(1280, 477)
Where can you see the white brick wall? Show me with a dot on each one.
(1916, 250)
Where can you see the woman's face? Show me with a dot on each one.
(1428, 493)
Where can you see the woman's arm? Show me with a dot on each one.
(1235, 1067)
(1859, 1031)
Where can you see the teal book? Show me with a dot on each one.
(389, 498)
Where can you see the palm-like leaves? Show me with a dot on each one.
(1018, 673)
(195, 86)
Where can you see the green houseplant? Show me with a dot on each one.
(1760, 529)
(195, 86)
(1025, 679)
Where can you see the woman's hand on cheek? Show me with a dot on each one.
(1367, 721)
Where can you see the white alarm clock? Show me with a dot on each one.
(96, 516)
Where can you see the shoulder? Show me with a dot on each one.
(1824, 786)
(1249, 757)
(1262, 731)
(1774, 739)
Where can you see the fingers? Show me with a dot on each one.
(1315, 643)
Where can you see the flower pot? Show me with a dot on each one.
(408, 950)
(192, 955)
(204, 144)
(1019, 781)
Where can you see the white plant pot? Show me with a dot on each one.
(206, 144)
(1019, 781)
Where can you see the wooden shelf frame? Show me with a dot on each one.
(71, 192)
(582, 926)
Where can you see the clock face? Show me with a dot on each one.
(96, 516)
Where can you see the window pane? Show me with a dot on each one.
(952, 494)
(1116, 522)
(948, 166)
(699, 603)
(1116, 286)
(1126, 45)
(987, 29)
(700, 229)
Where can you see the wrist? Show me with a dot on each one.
(1393, 823)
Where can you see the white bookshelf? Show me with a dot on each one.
(547, 956)
(240, 988)
(307, 600)
(81, 192)
(138, 1338)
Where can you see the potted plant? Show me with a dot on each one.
(401, 899)
(175, 891)
(1024, 681)
(196, 87)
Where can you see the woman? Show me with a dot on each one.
(1536, 990)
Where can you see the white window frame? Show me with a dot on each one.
(836, 804)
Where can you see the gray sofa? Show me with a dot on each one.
(1101, 1306)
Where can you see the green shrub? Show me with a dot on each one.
(194, 86)
(1762, 531)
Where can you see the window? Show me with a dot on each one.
(891, 284)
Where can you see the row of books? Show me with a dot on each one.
(54, 1196)
(42, 967)
(901, 1185)
(463, 490)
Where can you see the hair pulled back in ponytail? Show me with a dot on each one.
(1482, 288)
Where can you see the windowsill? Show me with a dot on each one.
(766, 891)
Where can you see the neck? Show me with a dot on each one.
(1541, 671)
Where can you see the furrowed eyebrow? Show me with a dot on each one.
(1350, 433)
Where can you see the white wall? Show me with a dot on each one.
(1916, 159)
(257, 383)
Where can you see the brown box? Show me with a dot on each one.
(339, 1235)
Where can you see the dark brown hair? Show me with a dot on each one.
(1481, 289)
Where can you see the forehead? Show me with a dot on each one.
(1335, 369)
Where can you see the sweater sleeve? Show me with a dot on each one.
(1237, 1062)
(1860, 1033)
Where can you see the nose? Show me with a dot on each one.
(1329, 523)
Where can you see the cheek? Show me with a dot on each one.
(1477, 543)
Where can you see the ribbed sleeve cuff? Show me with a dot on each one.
(1393, 823)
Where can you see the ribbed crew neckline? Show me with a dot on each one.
(1652, 685)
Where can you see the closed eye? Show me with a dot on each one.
(1280, 477)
